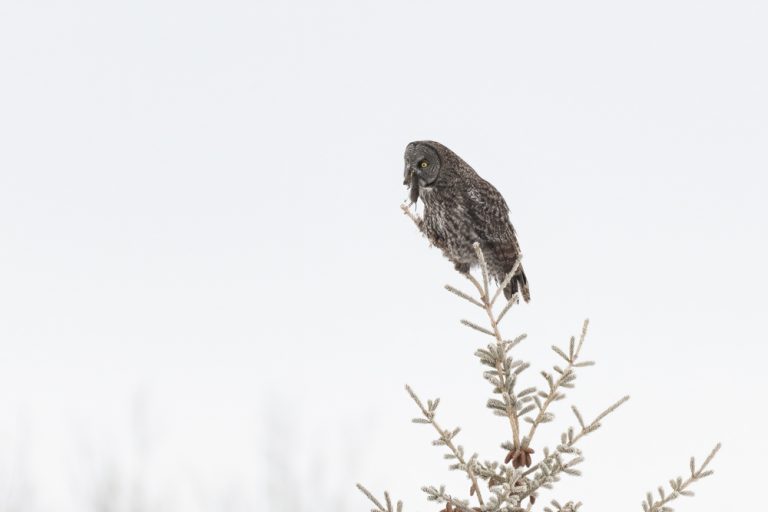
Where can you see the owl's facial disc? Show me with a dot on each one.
(422, 165)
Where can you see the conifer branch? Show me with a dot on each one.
(565, 380)
(377, 503)
(446, 439)
(514, 483)
(678, 486)
(504, 380)
(547, 471)
(406, 207)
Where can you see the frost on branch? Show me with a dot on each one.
(512, 481)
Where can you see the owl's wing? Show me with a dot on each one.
(489, 213)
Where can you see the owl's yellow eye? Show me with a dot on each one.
(423, 164)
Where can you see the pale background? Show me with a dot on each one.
(209, 299)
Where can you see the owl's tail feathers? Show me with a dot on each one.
(518, 283)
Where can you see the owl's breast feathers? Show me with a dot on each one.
(448, 223)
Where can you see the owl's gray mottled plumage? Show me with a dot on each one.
(461, 208)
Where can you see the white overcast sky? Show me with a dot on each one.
(209, 298)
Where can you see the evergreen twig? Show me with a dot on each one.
(514, 483)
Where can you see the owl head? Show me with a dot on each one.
(422, 165)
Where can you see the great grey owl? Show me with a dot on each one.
(461, 208)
